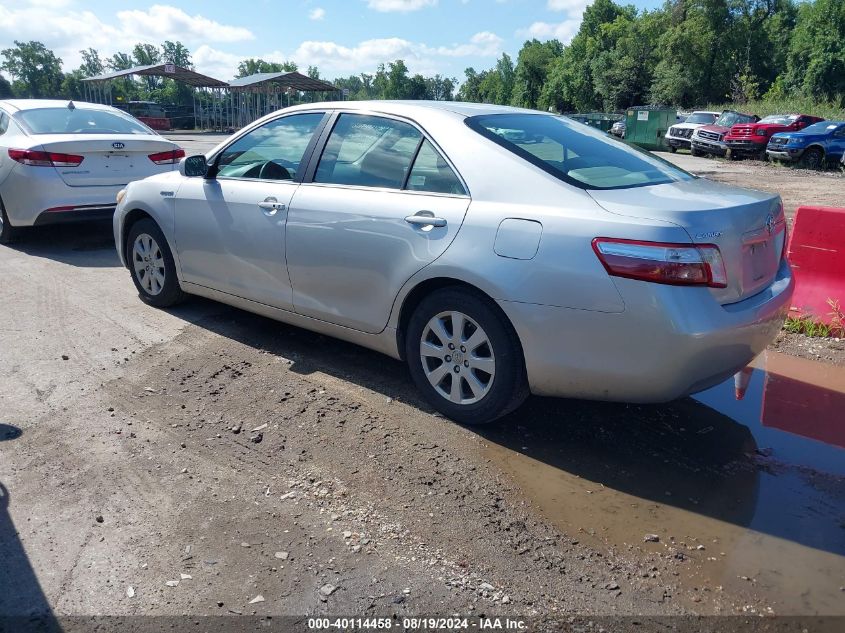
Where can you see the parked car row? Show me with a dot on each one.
(780, 137)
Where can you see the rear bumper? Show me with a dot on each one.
(75, 214)
(32, 192)
(709, 147)
(668, 343)
(745, 146)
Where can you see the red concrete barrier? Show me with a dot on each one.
(816, 251)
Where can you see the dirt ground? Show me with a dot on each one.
(206, 461)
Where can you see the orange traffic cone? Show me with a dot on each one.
(741, 380)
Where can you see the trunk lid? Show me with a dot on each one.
(108, 161)
(748, 226)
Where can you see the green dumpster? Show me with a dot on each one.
(646, 126)
(601, 120)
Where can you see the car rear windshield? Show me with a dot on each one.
(729, 119)
(576, 153)
(700, 117)
(79, 121)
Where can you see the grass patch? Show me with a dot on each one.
(796, 105)
(808, 325)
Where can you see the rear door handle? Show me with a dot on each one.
(425, 218)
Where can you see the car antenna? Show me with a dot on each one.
(70, 105)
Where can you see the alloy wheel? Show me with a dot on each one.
(148, 263)
(457, 357)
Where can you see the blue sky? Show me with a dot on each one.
(341, 37)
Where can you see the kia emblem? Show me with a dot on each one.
(118, 145)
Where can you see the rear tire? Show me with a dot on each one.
(8, 233)
(152, 266)
(465, 356)
(813, 158)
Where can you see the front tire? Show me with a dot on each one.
(151, 265)
(813, 158)
(672, 149)
(465, 356)
(695, 152)
(8, 233)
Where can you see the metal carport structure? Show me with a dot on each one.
(262, 93)
(99, 89)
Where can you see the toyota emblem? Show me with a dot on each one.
(770, 224)
(118, 145)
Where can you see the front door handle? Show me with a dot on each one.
(270, 206)
(425, 218)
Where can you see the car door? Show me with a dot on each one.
(836, 144)
(230, 226)
(381, 204)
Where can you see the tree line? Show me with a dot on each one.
(686, 53)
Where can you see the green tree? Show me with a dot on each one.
(816, 58)
(91, 64)
(176, 53)
(532, 67)
(35, 70)
(5, 88)
(253, 66)
(398, 82)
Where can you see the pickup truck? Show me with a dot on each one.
(751, 139)
(679, 135)
(710, 139)
(814, 146)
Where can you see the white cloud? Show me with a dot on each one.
(317, 14)
(570, 6)
(162, 22)
(563, 31)
(333, 58)
(403, 6)
(67, 31)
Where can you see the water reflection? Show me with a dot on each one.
(759, 481)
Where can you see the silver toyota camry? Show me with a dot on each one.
(498, 251)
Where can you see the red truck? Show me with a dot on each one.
(750, 139)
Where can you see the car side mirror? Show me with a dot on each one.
(194, 166)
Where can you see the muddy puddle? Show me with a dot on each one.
(745, 483)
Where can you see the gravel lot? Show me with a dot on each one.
(203, 460)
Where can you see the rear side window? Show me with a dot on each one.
(368, 151)
(432, 173)
(575, 153)
(4, 122)
(79, 121)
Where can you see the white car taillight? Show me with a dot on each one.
(35, 158)
(662, 262)
(169, 157)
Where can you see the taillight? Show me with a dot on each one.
(35, 158)
(663, 263)
(169, 157)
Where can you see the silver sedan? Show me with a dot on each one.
(498, 251)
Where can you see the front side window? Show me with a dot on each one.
(79, 121)
(574, 153)
(273, 151)
(368, 151)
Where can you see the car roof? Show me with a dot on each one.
(34, 104)
(409, 108)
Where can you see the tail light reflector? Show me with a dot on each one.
(169, 157)
(662, 262)
(35, 158)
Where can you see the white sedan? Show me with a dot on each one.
(65, 161)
